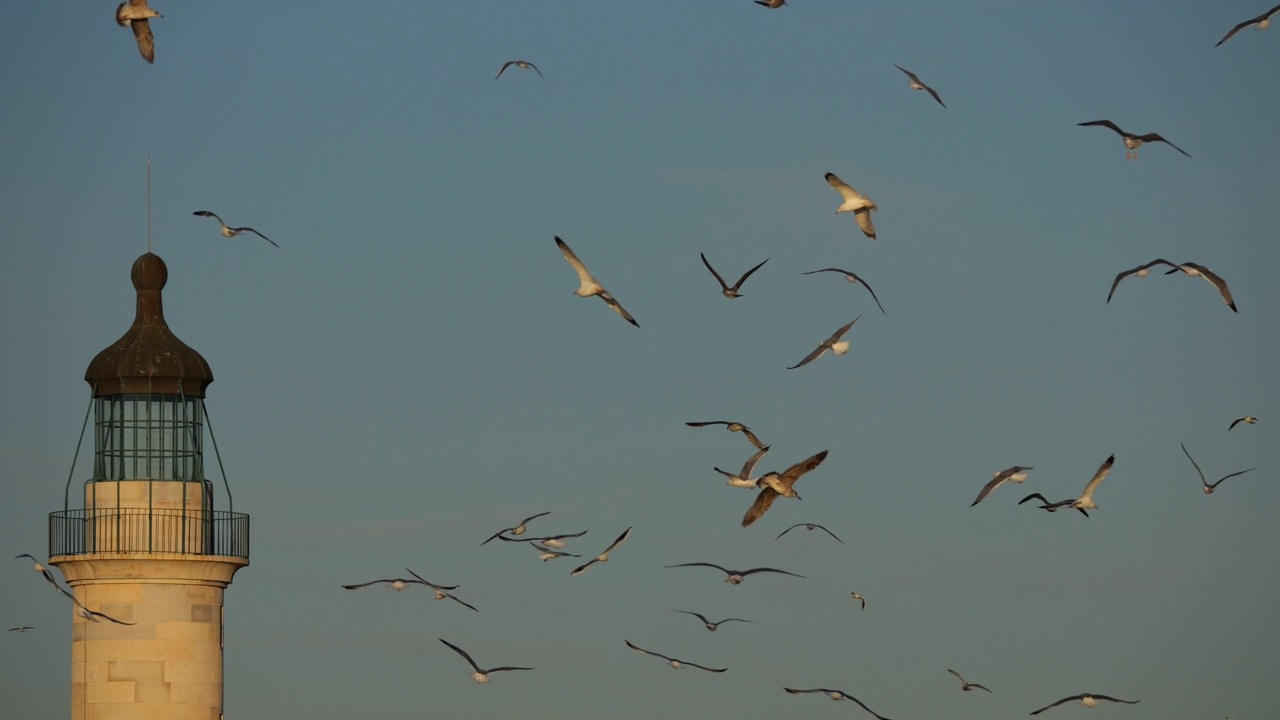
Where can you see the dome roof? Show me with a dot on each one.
(149, 358)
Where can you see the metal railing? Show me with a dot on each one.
(143, 530)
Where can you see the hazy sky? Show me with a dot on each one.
(410, 372)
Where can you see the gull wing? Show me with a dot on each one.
(585, 280)
(746, 274)
(863, 217)
(719, 279)
(851, 277)
(1155, 137)
(463, 653)
(1247, 23)
(1140, 268)
(845, 189)
(146, 41)
(255, 232)
(758, 508)
(825, 345)
(1104, 123)
(752, 571)
(639, 649)
(1098, 477)
(1219, 283)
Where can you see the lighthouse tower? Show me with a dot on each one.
(148, 549)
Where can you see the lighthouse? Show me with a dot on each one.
(147, 555)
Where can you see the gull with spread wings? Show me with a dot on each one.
(588, 285)
(135, 15)
(604, 556)
(1208, 489)
(730, 292)
(519, 529)
(733, 427)
(1131, 141)
(1017, 473)
(773, 484)
(1262, 22)
(677, 664)
(1194, 270)
(734, 577)
(853, 278)
(479, 674)
(855, 202)
(523, 65)
(1086, 699)
(1140, 271)
(914, 83)
(833, 343)
(230, 231)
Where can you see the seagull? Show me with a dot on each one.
(1085, 501)
(1046, 505)
(547, 553)
(230, 231)
(774, 484)
(1208, 489)
(855, 202)
(396, 584)
(1194, 270)
(1086, 699)
(771, 4)
(22, 629)
(730, 292)
(712, 626)
(734, 577)
(809, 526)
(1249, 419)
(518, 529)
(851, 277)
(1017, 474)
(1132, 141)
(733, 427)
(604, 556)
(1263, 21)
(1140, 271)
(915, 84)
(134, 15)
(833, 343)
(858, 597)
(523, 65)
(836, 695)
(48, 576)
(967, 686)
(480, 676)
(588, 286)
(439, 590)
(553, 541)
(677, 664)
(743, 479)
(93, 615)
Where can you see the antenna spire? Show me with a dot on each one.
(148, 203)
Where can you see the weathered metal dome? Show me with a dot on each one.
(149, 359)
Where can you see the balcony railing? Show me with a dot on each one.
(143, 530)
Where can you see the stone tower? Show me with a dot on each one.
(148, 557)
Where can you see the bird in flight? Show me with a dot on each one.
(1140, 271)
(833, 343)
(604, 556)
(1085, 501)
(914, 83)
(735, 577)
(94, 615)
(859, 598)
(1263, 21)
(1208, 489)
(836, 695)
(21, 629)
(743, 479)
(230, 231)
(967, 686)
(733, 427)
(523, 65)
(546, 553)
(771, 4)
(1194, 270)
(479, 674)
(1017, 474)
(711, 626)
(518, 529)
(1132, 141)
(855, 202)
(1247, 419)
(40, 568)
(1086, 699)
(552, 541)
(730, 292)
(773, 484)
(677, 664)
(1046, 505)
(588, 285)
(809, 526)
(135, 15)
(853, 278)
(439, 590)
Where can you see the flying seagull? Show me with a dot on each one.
(1046, 505)
(773, 484)
(230, 231)
(730, 292)
(22, 629)
(1086, 699)
(859, 598)
(833, 343)
(479, 675)
(518, 529)
(734, 577)
(677, 664)
(711, 626)
(396, 584)
(914, 83)
(743, 479)
(809, 526)
(733, 427)
(1263, 21)
(604, 556)
(523, 65)
(1249, 419)
(134, 15)
(967, 686)
(836, 695)
(855, 202)
(552, 541)
(1140, 271)
(1132, 141)
(546, 553)
(1085, 501)
(1017, 474)
(852, 277)
(93, 615)
(48, 576)
(1194, 270)
(439, 590)
(1208, 489)
(588, 285)
(771, 4)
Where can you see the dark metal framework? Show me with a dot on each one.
(148, 437)
(149, 530)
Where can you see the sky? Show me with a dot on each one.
(410, 372)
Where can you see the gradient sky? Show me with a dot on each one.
(410, 371)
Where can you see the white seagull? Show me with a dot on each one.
(479, 675)
(855, 202)
(1086, 699)
(40, 568)
(604, 556)
(552, 541)
(1208, 489)
(734, 577)
(968, 686)
(1263, 21)
(546, 553)
(588, 285)
(518, 529)
(711, 626)
(861, 599)
(1140, 271)
(773, 484)
(833, 343)
(733, 427)
(1248, 419)
(1194, 270)
(743, 479)
(1132, 141)
(677, 664)
(93, 616)
(396, 584)
(230, 231)
(1085, 501)
(523, 65)
(914, 83)
(836, 695)
(1017, 474)
(439, 590)
(809, 526)
(853, 278)
(134, 15)
(730, 292)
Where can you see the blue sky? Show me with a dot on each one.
(410, 371)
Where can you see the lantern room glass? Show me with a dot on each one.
(148, 437)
